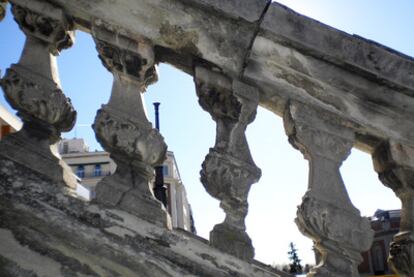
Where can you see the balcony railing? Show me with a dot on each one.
(332, 96)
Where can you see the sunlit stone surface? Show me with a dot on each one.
(335, 91)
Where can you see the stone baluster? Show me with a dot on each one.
(32, 87)
(394, 163)
(228, 170)
(326, 214)
(3, 7)
(122, 127)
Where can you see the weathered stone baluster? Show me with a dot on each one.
(3, 6)
(326, 214)
(33, 88)
(122, 127)
(394, 163)
(228, 170)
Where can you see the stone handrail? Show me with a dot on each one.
(332, 89)
(284, 54)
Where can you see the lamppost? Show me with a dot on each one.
(159, 188)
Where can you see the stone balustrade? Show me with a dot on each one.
(3, 5)
(334, 91)
(326, 214)
(228, 170)
(32, 87)
(394, 163)
(121, 126)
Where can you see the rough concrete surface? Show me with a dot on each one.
(45, 232)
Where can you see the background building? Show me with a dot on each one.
(386, 224)
(9, 123)
(178, 206)
(91, 167)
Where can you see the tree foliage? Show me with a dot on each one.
(294, 266)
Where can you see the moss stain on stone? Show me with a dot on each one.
(11, 269)
(179, 39)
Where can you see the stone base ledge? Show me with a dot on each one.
(46, 232)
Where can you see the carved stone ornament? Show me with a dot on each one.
(394, 163)
(326, 214)
(32, 87)
(44, 22)
(132, 59)
(128, 139)
(136, 148)
(124, 131)
(50, 107)
(228, 170)
(402, 253)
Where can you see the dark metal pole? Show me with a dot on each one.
(157, 114)
(159, 188)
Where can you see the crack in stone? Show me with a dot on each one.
(256, 32)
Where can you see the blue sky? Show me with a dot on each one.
(189, 131)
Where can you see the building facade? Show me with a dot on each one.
(91, 167)
(178, 206)
(386, 224)
(9, 123)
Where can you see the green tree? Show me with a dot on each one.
(295, 266)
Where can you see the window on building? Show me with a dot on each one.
(65, 147)
(165, 170)
(98, 170)
(80, 171)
